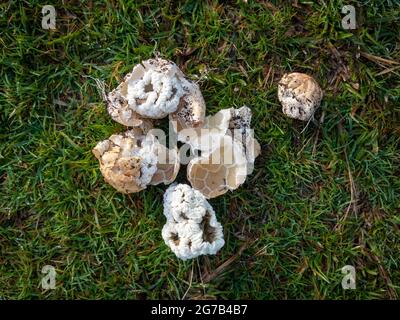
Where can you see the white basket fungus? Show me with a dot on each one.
(154, 89)
(191, 229)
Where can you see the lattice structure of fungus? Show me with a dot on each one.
(191, 229)
(167, 165)
(228, 151)
(299, 95)
(154, 89)
(221, 170)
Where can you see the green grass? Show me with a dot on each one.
(318, 200)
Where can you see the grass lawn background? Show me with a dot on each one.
(318, 200)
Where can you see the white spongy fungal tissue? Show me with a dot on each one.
(149, 159)
(191, 229)
(157, 93)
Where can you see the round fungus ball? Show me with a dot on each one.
(299, 95)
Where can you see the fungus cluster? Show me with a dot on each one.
(222, 146)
